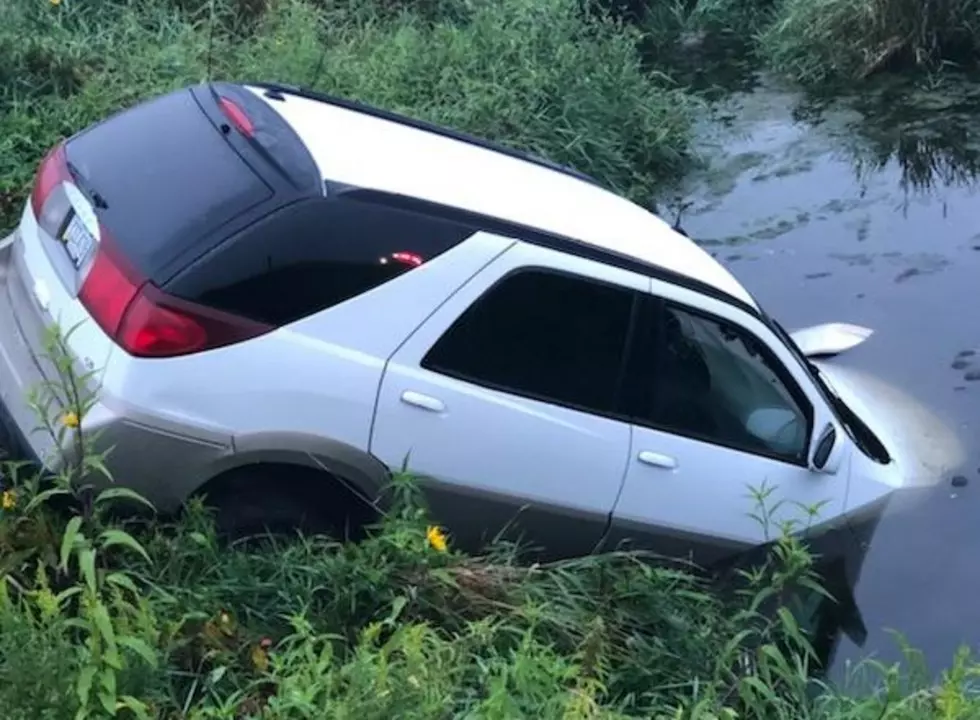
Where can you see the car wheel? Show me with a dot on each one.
(259, 503)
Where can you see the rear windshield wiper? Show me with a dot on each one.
(86, 187)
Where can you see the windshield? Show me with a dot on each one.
(857, 429)
(812, 370)
(830, 395)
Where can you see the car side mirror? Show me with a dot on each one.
(823, 449)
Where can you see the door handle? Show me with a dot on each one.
(656, 459)
(426, 402)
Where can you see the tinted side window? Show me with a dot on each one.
(313, 255)
(714, 381)
(543, 335)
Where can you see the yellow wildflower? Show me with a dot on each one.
(260, 655)
(47, 603)
(260, 659)
(70, 419)
(436, 538)
(8, 500)
(225, 624)
(55, 3)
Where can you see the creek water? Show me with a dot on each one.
(864, 209)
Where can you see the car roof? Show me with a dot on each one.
(374, 151)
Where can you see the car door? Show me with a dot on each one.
(503, 401)
(722, 411)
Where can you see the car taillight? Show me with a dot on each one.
(139, 317)
(146, 322)
(237, 116)
(152, 330)
(109, 288)
(407, 258)
(158, 325)
(49, 203)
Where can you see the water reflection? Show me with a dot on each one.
(925, 134)
(928, 157)
(825, 617)
(833, 619)
(929, 131)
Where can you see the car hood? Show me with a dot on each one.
(924, 448)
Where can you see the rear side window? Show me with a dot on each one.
(543, 335)
(315, 254)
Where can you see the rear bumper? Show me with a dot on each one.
(21, 437)
(13, 443)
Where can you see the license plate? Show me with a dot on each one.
(78, 241)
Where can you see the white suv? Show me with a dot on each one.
(287, 295)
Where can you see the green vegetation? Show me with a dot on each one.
(153, 619)
(818, 40)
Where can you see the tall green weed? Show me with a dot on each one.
(815, 41)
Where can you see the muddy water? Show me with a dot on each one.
(866, 210)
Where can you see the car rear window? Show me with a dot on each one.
(168, 176)
(313, 255)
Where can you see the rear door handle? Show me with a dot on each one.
(426, 402)
(656, 459)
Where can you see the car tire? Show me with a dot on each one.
(257, 503)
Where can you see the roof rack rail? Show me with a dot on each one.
(273, 89)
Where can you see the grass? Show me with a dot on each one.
(848, 40)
